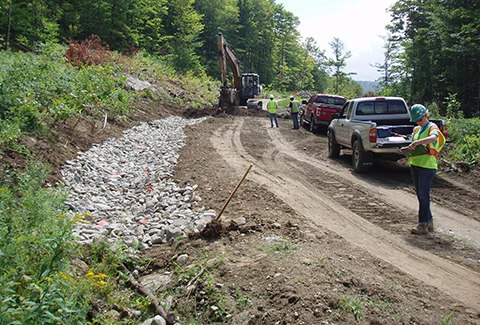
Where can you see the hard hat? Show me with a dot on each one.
(292, 97)
(417, 111)
(271, 96)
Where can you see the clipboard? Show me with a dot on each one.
(419, 150)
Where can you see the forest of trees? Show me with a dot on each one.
(432, 53)
(184, 32)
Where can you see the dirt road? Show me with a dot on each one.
(278, 169)
(292, 181)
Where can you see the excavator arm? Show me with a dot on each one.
(226, 54)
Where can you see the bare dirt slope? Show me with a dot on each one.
(350, 232)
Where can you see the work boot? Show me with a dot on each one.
(431, 228)
(420, 230)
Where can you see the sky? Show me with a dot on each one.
(359, 24)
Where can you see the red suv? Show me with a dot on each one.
(319, 109)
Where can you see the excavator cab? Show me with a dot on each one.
(251, 85)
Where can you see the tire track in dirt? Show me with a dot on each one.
(276, 174)
(446, 220)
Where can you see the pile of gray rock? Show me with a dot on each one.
(122, 190)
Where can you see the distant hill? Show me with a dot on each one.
(369, 85)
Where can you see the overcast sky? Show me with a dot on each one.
(357, 23)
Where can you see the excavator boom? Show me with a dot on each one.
(226, 53)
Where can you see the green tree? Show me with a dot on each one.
(27, 22)
(338, 63)
(183, 25)
(147, 24)
(218, 16)
(288, 53)
(387, 67)
(318, 71)
(439, 50)
(255, 41)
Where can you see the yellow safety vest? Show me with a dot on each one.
(272, 107)
(295, 106)
(428, 160)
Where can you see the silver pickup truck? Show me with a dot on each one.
(372, 126)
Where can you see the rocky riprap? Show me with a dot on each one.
(122, 190)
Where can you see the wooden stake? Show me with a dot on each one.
(233, 193)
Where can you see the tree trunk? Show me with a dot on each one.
(9, 20)
(478, 96)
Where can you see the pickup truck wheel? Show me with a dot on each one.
(312, 124)
(301, 118)
(333, 147)
(360, 158)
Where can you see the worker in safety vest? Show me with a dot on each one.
(272, 110)
(294, 108)
(424, 167)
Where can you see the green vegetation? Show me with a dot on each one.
(35, 87)
(36, 281)
(278, 246)
(198, 297)
(431, 58)
(38, 90)
(36, 248)
(465, 137)
(432, 52)
(38, 284)
(353, 305)
(242, 301)
(184, 33)
(447, 319)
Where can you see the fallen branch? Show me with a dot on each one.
(195, 278)
(190, 286)
(170, 318)
(105, 121)
(451, 165)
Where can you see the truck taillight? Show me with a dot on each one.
(373, 135)
(445, 132)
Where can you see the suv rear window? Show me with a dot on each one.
(330, 100)
(381, 107)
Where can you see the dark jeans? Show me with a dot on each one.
(273, 116)
(295, 120)
(422, 179)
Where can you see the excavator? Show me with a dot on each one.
(246, 86)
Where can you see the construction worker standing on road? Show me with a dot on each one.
(272, 110)
(424, 167)
(294, 108)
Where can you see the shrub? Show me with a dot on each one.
(33, 87)
(88, 52)
(465, 137)
(36, 286)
